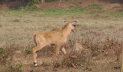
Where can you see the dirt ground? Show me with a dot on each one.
(16, 33)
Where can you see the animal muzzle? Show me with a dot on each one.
(74, 31)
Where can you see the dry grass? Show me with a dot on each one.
(96, 55)
(21, 29)
(16, 35)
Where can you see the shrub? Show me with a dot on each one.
(32, 6)
(35, 6)
(22, 8)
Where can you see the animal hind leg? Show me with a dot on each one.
(57, 52)
(35, 54)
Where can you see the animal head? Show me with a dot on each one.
(72, 25)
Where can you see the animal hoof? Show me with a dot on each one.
(34, 63)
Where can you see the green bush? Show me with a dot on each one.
(32, 6)
(22, 8)
(35, 6)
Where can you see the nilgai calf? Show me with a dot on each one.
(57, 37)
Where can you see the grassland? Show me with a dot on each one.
(16, 42)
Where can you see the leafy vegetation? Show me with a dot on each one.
(16, 68)
(28, 49)
(3, 56)
(32, 6)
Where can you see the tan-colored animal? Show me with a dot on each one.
(57, 37)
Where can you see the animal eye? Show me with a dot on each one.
(74, 25)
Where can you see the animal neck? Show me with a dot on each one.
(66, 30)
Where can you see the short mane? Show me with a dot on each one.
(65, 25)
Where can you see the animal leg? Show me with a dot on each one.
(63, 50)
(35, 54)
(57, 52)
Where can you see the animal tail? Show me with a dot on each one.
(34, 37)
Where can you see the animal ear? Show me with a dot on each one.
(65, 21)
(74, 22)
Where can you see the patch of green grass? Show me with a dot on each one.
(95, 6)
(118, 15)
(49, 11)
(28, 49)
(66, 11)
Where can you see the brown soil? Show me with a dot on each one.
(114, 8)
(4, 7)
